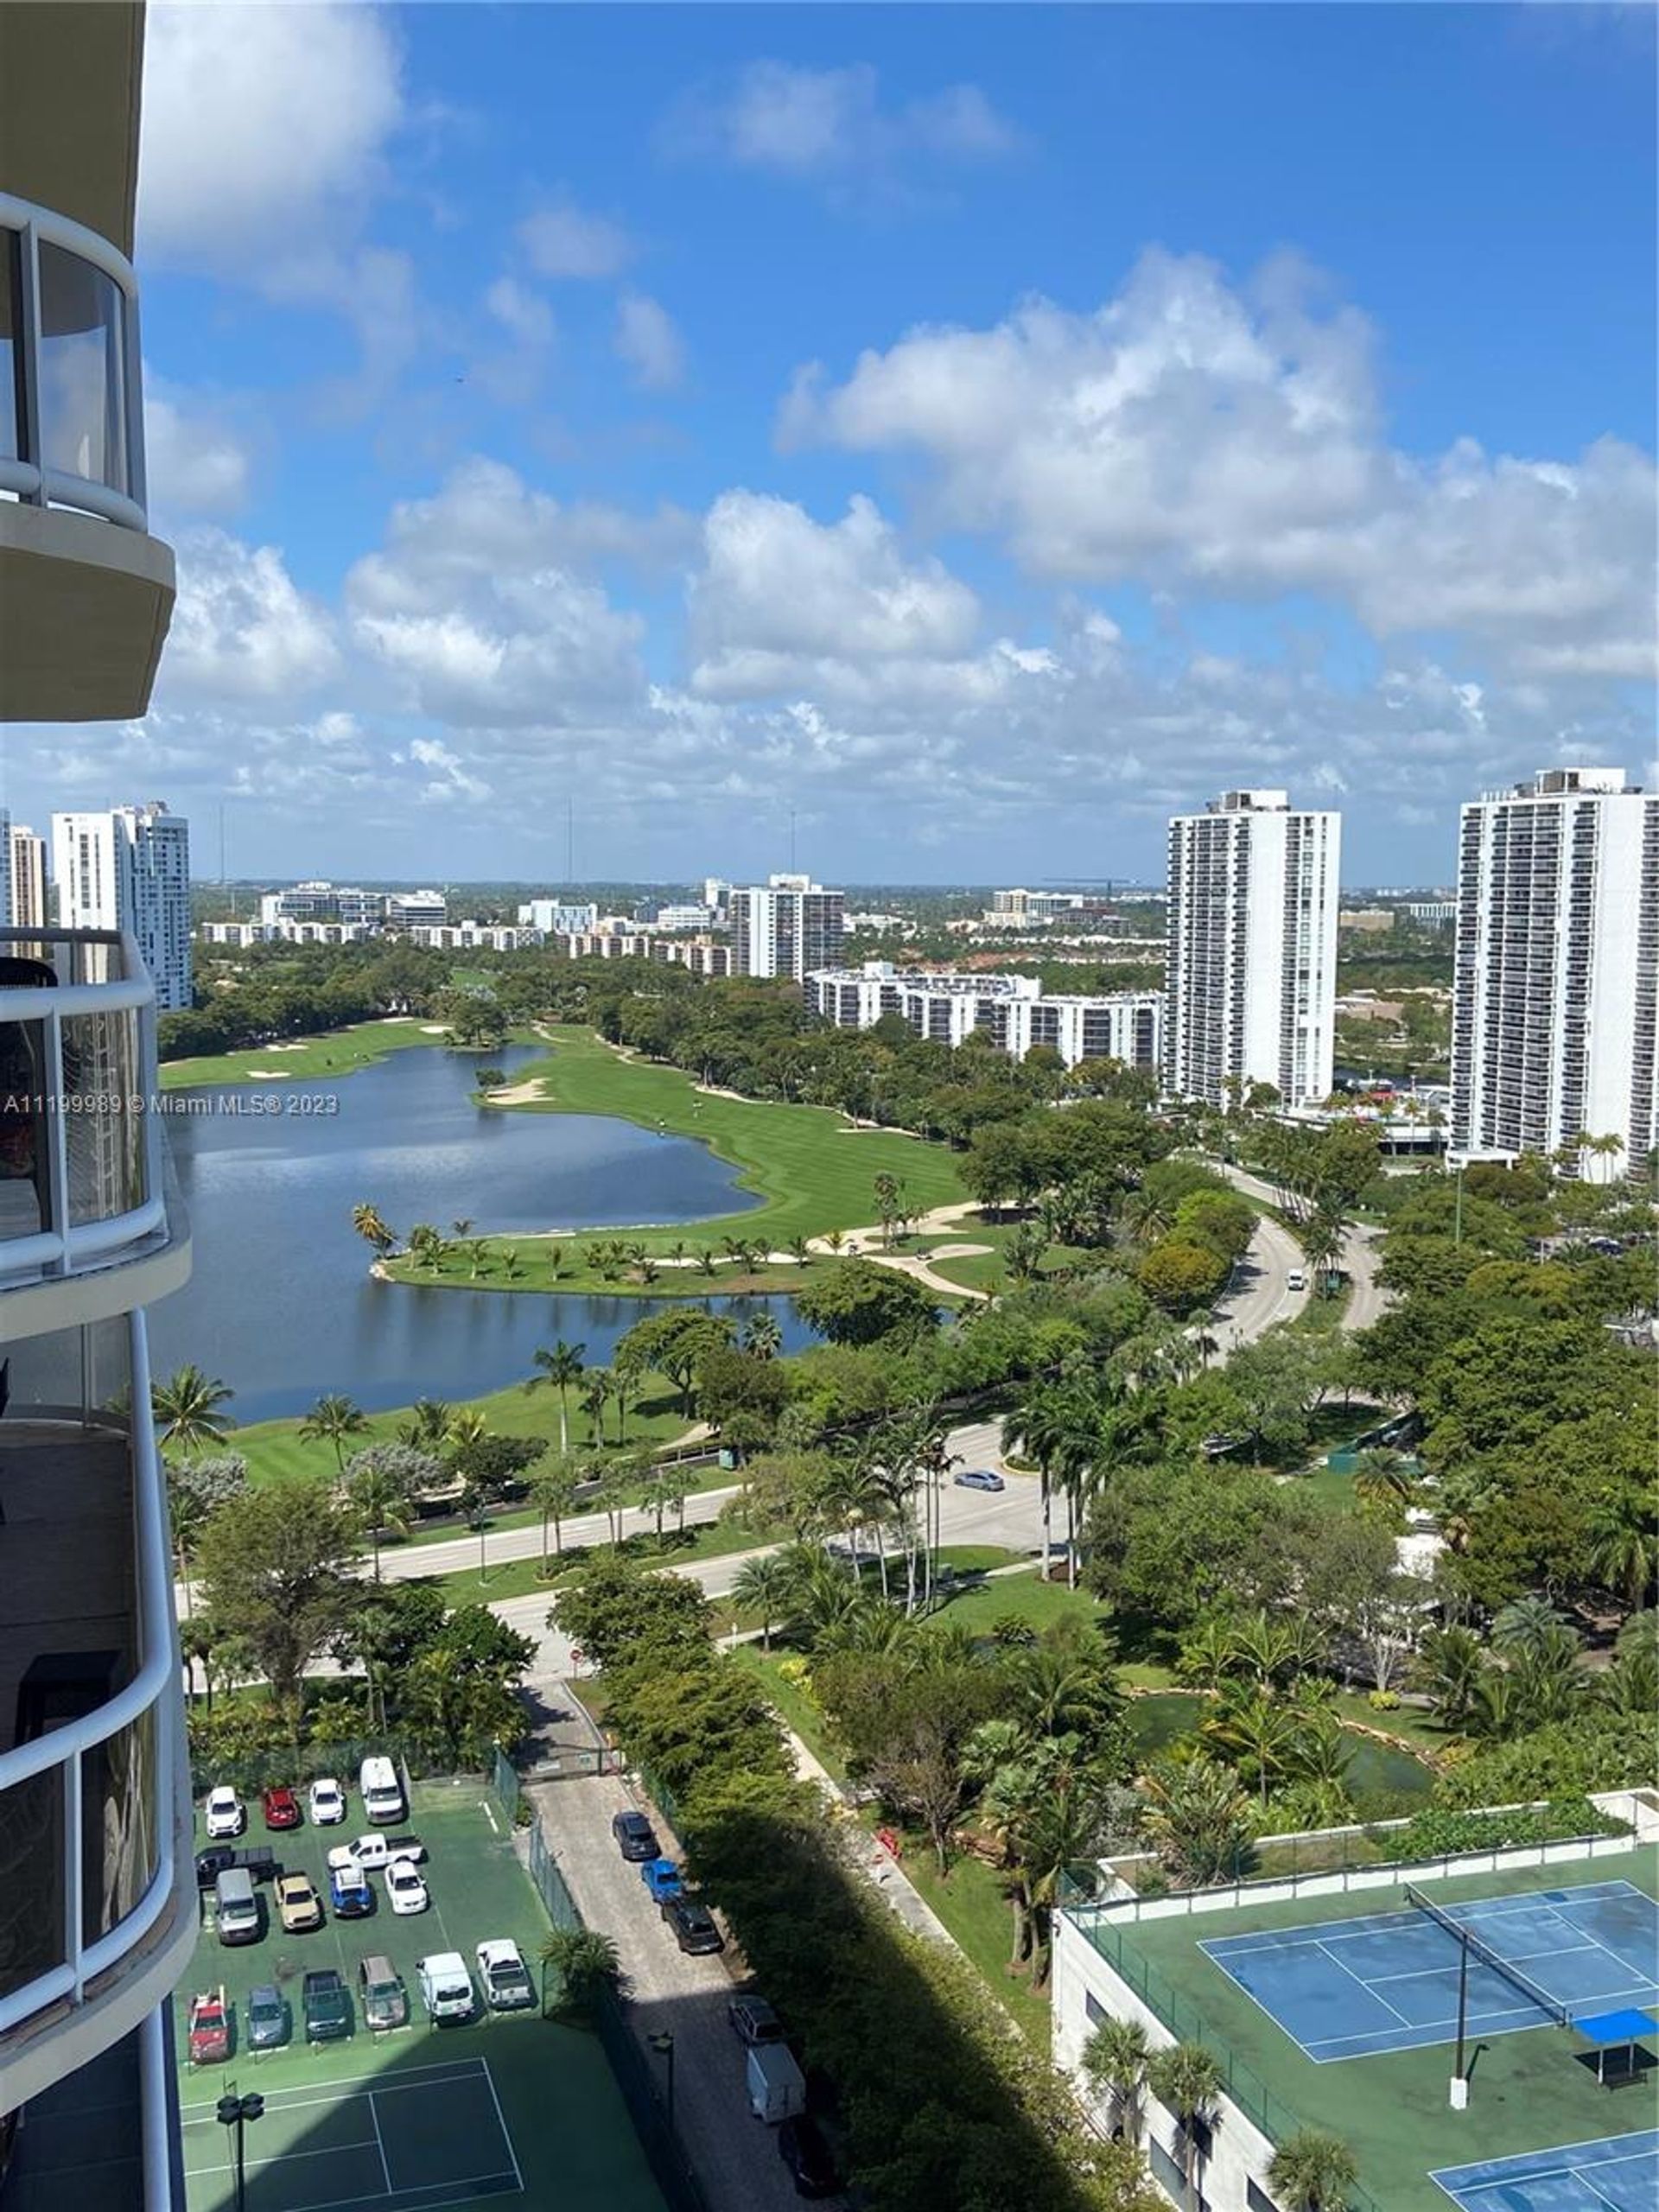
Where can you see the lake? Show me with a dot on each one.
(280, 1304)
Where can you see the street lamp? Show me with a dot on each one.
(663, 2045)
(235, 2111)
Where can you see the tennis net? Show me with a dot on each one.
(1546, 2004)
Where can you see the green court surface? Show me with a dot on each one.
(1530, 2091)
(510, 2111)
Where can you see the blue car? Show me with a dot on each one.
(979, 1478)
(662, 1877)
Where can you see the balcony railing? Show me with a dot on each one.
(72, 428)
(80, 1144)
(90, 1781)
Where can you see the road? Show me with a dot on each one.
(735, 2158)
(1366, 1298)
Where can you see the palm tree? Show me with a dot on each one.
(186, 1408)
(1196, 1817)
(766, 1586)
(1625, 1544)
(595, 1396)
(1256, 1733)
(370, 1224)
(1036, 1426)
(800, 1251)
(706, 1258)
(562, 1367)
(382, 1498)
(462, 1227)
(1312, 2171)
(763, 1336)
(1450, 1667)
(587, 1962)
(1188, 2080)
(428, 1426)
(1384, 1479)
(332, 1419)
(1114, 2059)
(1519, 1628)
(553, 1489)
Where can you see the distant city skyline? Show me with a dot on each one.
(892, 444)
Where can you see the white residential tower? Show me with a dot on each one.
(130, 869)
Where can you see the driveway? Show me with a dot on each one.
(735, 2157)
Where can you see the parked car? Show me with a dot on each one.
(381, 1992)
(405, 1890)
(225, 1813)
(776, 2085)
(1296, 1280)
(446, 1987)
(803, 2151)
(327, 1803)
(636, 1838)
(238, 1916)
(978, 1478)
(662, 1877)
(327, 2006)
(372, 1853)
(298, 1905)
(754, 2020)
(282, 1808)
(269, 2026)
(257, 1859)
(209, 2037)
(502, 1975)
(381, 1791)
(692, 1926)
(349, 1892)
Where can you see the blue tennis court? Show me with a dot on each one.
(1389, 1980)
(1619, 2174)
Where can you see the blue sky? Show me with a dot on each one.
(983, 429)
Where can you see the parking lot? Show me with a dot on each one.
(735, 2157)
(509, 2108)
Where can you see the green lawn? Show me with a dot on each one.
(340, 1051)
(794, 1707)
(522, 1578)
(970, 1902)
(1022, 1596)
(811, 1169)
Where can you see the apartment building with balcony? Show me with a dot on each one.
(25, 907)
(1013, 1012)
(128, 869)
(1555, 988)
(1252, 949)
(97, 1907)
(787, 927)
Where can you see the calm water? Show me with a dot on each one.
(280, 1304)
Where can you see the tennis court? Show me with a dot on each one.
(1619, 2174)
(422, 2137)
(1389, 1981)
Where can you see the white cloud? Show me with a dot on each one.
(241, 629)
(263, 124)
(1189, 435)
(831, 123)
(563, 241)
(196, 463)
(648, 343)
(513, 372)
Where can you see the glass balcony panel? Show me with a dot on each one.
(11, 317)
(33, 1899)
(83, 382)
(102, 1075)
(25, 1134)
(120, 1850)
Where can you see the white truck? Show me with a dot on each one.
(777, 2088)
(446, 1987)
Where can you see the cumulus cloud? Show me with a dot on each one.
(1212, 438)
(563, 240)
(830, 123)
(197, 464)
(241, 629)
(648, 343)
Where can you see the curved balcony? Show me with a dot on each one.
(94, 1808)
(87, 593)
(87, 1223)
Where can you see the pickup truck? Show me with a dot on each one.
(349, 1892)
(259, 1859)
(374, 1851)
(210, 2028)
(327, 2006)
(505, 1978)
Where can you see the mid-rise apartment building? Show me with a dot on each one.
(1555, 988)
(98, 1899)
(558, 917)
(25, 870)
(324, 902)
(128, 869)
(1252, 949)
(414, 909)
(1013, 1012)
(787, 926)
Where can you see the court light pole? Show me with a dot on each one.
(663, 2045)
(235, 2112)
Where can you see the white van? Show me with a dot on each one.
(236, 1909)
(777, 2089)
(446, 1987)
(381, 1791)
(1297, 1278)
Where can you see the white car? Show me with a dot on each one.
(327, 1800)
(405, 1890)
(446, 1987)
(225, 1813)
(504, 1976)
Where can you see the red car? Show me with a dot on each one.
(282, 1809)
